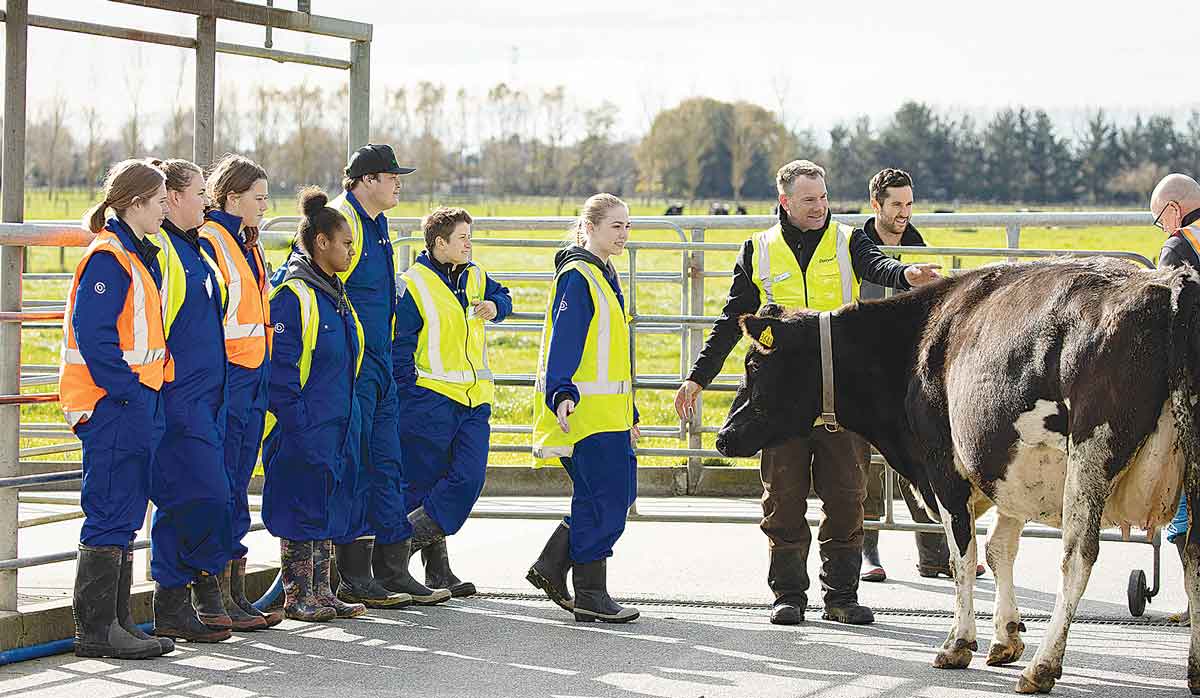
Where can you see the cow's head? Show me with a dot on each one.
(780, 395)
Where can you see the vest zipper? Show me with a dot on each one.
(467, 343)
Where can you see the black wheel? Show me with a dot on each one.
(1137, 593)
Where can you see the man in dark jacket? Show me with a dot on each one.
(1175, 205)
(807, 260)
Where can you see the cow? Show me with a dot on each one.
(1060, 391)
(674, 210)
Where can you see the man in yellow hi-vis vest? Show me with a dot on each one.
(807, 260)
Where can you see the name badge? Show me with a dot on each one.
(785, 275)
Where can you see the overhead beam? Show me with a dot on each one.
(259, 15)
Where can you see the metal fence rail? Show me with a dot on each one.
(688, 324)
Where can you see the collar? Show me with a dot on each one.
(869, 229)
(380, 220)
(445, 269)
(144, 248)
(192, 236)
(828, 414)
(792, 232)
(228, 221)
(1190, 218)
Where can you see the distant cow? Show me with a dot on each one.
(718, 208)
(1062, 392)
(674, 210)
(741, 210)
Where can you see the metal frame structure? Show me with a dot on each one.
(17, 22)
(689, 325)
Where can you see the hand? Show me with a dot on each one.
(635, 433)
(685, 399)
(486, 310)
(921, 274)
(565, 408)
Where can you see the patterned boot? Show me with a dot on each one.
(296, 568)
(322, 554)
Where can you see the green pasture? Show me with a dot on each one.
(516, 352)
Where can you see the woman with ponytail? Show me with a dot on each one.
(237, 194)
(114, 363)
(312, 423)
(584, 418)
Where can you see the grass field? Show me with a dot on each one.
(516, 352)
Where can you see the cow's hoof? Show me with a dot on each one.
(957, 656)
(1039, 679)
(1194, 685)
(999, 655)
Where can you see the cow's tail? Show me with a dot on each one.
(1183, 367)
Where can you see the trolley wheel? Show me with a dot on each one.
(1137, 593)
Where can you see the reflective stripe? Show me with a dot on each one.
(74, 418)
(133, 357)
(603, 330)
(342, 204)
(845, 268)
(1189, 236)
(554, 451)
(141, 330)
(166, 249)
(764, 265)
(456, 376)
(234, 330)
(244, 331)
(604, 388)
(433, 330)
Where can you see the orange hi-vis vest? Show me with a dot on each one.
(139, 327)
(248, 313)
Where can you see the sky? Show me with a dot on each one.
(819, 63)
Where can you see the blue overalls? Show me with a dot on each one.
(126, 427)
(308, 455)
(246, 408)
(445, 442)
(192, 530)
(380, 487)
(603, 467)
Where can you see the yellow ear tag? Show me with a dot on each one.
(766, 338)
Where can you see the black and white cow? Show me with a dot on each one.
(1062, 392)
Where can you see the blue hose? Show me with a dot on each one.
(46, 649)
(271, 595)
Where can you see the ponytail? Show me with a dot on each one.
(128, 182)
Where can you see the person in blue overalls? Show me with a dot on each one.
(378, 521)
(441, 367)
(238, 194)
(113, 365)
(585, 418)
(192, 528)
(313, 422)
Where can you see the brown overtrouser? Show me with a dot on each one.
(831, 464)
(873, 504)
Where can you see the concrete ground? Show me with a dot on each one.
(703, 630)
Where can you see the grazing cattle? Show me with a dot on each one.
(718, 208)
(1062, 392)
(674, 210)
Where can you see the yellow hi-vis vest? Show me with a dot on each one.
(341, 203)
(310, 321)
(451, 355)
(604, 377)
(174, 278)
(828, 284)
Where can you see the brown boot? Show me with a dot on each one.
(206, 597)
(242, 619)
(322, 554)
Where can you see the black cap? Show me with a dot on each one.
(373, 159)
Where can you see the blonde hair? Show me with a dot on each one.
(593, 212)
(128, 183)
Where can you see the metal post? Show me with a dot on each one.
(631, 310)
(696, 342)
(206, 88)
(11, 268)
(1013, 233)
(359, 132)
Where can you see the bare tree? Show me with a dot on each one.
(56, 138)
(93, 126)
(227, 130)
(264, 126)
(132, 132)
(430, 103)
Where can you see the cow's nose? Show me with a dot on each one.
(723, 444)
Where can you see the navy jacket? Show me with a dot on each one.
(372, 285)
(409, 321)
(197, 339)
(103, 286)
(573, 311)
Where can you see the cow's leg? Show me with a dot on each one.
(1003, 541)
(960, 642)
(1084, 494)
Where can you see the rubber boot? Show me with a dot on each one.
(210, 607)
(1183, 617)
(592, 602)
(296, 569)
(94, 606)
(426, 531)
(174, 617)
(933, 555)
(872, 568)
(389, 562)
(357, 584)
(549, 572)
(237, 591)
(839, 581)
(788, 579)
(125, 614)
(242, 619)
(438, 575)
(322, 555)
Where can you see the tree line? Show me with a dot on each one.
(512, 142)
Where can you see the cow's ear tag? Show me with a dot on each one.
(766, 338)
